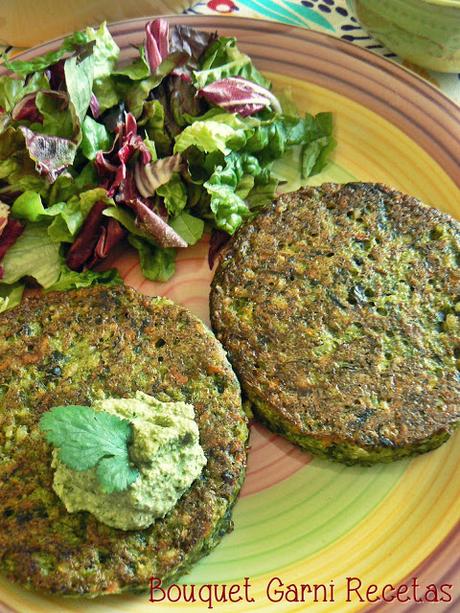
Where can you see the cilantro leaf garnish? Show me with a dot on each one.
(86, 438)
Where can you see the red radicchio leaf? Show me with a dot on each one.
(51, 154)
(147, 219)
(148, 177)
(82, 248)
(111, 235)
(55, 74)
(11, 232)
(27, 109)
(154, 225)
(156, 42)
(219, 239)
(239, 95)
(112, 164)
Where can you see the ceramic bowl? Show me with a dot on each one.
(425, 32)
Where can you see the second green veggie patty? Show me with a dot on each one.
(339, 308)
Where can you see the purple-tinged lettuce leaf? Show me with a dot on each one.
(191, 41)
(51, 154)
(13, 90)
(26, 110)
(17, 170)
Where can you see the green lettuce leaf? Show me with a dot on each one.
(28, 206)
(105, 51)
(236, 188)
(188, 227)
(10, 295)
(106, 92)
(39, 63)
(95, 137)
(16, 166)
(153, 120)
(157, 264)
(70, 184)
(35, 255)
(319, 144)
(79, 82)
(69, 216)
(70, 279)
(137, 70)
(138, 91)
(59, 118)
(174, 194)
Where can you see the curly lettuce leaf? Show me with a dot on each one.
(70, 279)
(223, 59)
(105, 51)
(211, 135)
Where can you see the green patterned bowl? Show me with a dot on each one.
(425, 32)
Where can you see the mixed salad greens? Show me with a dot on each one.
(181, 140)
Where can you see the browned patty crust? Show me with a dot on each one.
(339, 308)
(70, 348)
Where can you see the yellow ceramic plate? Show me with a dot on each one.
(301, 519)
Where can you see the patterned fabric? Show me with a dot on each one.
(330, 16)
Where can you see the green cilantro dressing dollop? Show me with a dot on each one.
(165, 449)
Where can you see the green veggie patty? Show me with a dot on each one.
(85, 345)
(339, 307)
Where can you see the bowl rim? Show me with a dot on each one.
(446, 3)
